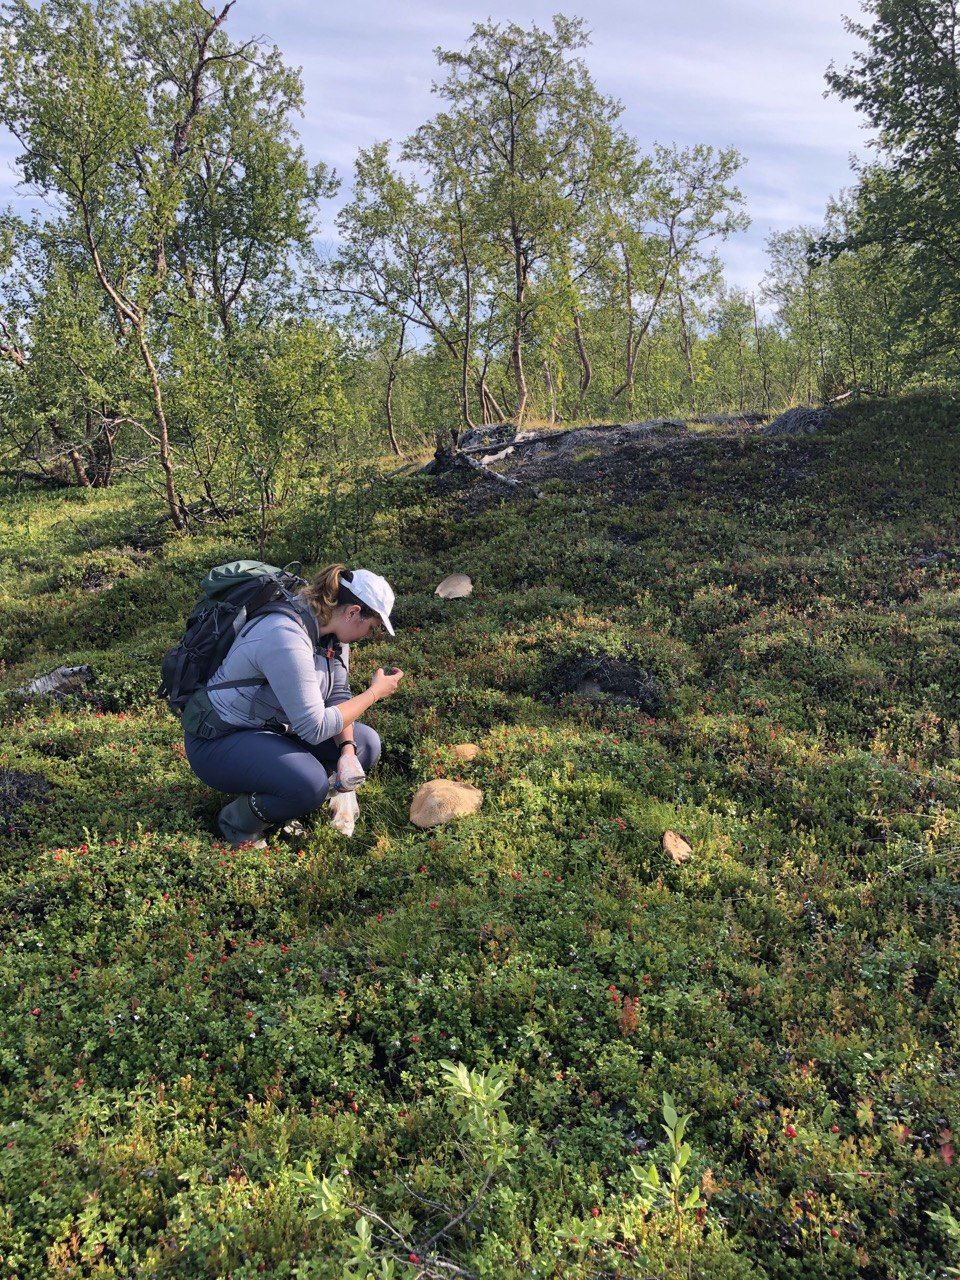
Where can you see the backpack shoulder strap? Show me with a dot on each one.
(243, 624)
(306, 618)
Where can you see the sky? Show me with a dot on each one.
(742, 73)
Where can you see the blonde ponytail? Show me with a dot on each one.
(323, 593)
(330, 588)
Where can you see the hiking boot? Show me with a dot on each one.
(241, 826)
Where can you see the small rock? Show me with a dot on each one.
(466, 751)
(677, 848)
(934, 557)
(442, 800)
(454, 587)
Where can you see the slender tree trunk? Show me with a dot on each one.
(516, 346)
(551, 389)
(497, 412)
(636, 335)
(468, 322)
(391, 378)
(516, 361)
(106, 466)
(129, 315)
(741, 371)
(163, 442)
(78, 464)
(631, 345)
(761, 355)
(586, 370)
(809, 343)
(685, 330)
(78, 469)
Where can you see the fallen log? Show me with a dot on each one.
(856, 391)
(511, 482)
(59, 681)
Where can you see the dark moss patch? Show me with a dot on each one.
(600, 677)
(20, 795)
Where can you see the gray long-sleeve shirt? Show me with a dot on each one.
(303, 683)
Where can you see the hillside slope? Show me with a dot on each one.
(184, 1027)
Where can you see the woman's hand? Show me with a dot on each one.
(383, 685)
(350, 771)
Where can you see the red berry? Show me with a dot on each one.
(834, 1128)
(790, 1131)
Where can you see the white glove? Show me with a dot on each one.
(350, 773)
(344, 811)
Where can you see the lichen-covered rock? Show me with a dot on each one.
(442, 800)
(466, 751)
(799, 422)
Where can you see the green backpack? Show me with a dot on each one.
(232, 594)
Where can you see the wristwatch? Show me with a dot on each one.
(343, 745)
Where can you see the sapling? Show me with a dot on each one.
(949, 1224)
(482, 1120)
(656, 1193)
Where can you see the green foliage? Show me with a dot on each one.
(904, 79)
(154, 300)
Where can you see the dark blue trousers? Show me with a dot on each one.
(285, 776)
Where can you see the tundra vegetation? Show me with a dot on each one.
(539, 1041)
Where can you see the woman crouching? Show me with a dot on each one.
(277, 721)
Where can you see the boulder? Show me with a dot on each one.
(466, 751)
(676, 847)
(442, 800)
(799, 422)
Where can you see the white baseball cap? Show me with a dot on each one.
(374, 591)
